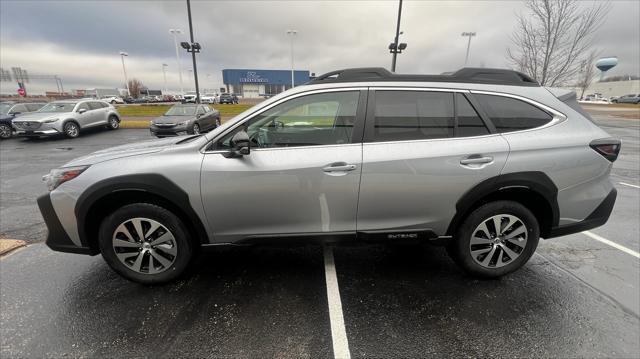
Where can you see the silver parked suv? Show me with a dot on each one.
(67, 117)
(485, 161)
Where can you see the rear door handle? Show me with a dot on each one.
(476, 160)
(339, 167)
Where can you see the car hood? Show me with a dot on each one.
(41, 116)
(172, 119)
(134, 149)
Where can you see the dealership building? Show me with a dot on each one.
(250, 83)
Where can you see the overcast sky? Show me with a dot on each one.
(80, 40)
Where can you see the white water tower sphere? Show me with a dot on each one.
(605, 64)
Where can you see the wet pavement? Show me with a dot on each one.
(577, 297)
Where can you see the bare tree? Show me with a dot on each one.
(553, 37)
(587, 71)
(135, 86)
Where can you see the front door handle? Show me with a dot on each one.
(476, 160)
(339, 167)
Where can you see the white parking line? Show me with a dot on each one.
(338, 331)
(630, 185)
(612, 244)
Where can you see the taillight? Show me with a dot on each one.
(609, 148)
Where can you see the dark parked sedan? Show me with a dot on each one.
(228, 98)
(185, 119)
(9, 110)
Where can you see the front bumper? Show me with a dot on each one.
(32, 128)
(597, 218)
(57, 238)
(49, 132)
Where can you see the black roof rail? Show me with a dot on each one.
(467, 75)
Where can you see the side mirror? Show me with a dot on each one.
(240, 145)
(82, 110)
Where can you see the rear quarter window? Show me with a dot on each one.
(509, 114)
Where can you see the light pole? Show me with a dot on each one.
(394, 47)
(193, 48)
(164, 75)
(292, 33)
(190, 77)
(122, 55)
(470, 35)
(175, 33)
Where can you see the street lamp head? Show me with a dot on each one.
(292, 32)
(185, 45)
(165, 65)
(196, 46)
(402, 46)
(122, 53)
(392, 46)
(470, 34)
(175, 31)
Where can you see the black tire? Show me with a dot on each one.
(71, 129)
(5, 131)
(113, 123)
(183, 245)
(461, 247)
(195, 129)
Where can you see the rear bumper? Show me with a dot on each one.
(57, 238)
(598, 217)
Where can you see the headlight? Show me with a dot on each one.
(51, 120)
(183, 123)
(59, 176)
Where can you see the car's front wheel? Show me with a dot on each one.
(5, 131)
(145, 243)
(196, 129)
(71, 129)
(495, 239)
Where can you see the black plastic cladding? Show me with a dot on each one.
(465, 75)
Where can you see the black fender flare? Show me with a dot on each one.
(155, 184)
(535, 181)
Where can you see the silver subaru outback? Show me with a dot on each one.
(484, 161)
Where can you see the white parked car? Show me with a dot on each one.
(208, 98)
(113, 100)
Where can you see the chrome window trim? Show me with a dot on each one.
(290, 148)
(557, 118)
(249, 116)
(425, 89)
(432, 139)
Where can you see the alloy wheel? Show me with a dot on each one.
(145, 246)
(498, 241)
(196, 129)
(113, 123)
(5, 131)
(71, 129)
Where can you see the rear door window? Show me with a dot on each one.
(95, 105)
(509, 114)
(412, 115)
(469, 122)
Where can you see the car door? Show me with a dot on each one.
(423, 149)
(98, 113)
(84, 115)
(301, 177)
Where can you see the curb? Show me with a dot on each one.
(8, 245)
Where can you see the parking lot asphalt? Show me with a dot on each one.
(577, 297)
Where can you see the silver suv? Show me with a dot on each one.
(67, 117)
(483, 161)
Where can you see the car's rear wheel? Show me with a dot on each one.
(71, 129)
(196, 129)
(495, 239)
(113, 123)
(145, 243)
(5, 131)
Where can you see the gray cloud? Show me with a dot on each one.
(80, 41)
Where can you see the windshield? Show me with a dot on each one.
(181, 111)
(58, 107)
(4, 108)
